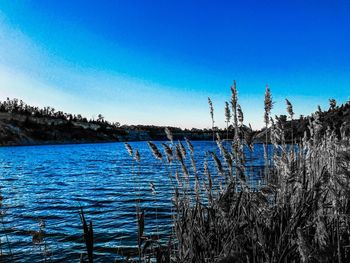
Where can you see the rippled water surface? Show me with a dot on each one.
(52, 182)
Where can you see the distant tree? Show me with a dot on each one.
(21, 105)
(332, 103)
(100, 118)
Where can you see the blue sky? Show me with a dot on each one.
(156, 62)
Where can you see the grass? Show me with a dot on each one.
(299, 214)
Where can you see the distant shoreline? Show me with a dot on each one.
(23, 125)
(92, 142)
(18, 129)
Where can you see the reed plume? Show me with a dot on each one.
(155, 150)
(137, 156)
(228, 117)
(180, 157)
(168, 152)
(169, 134)
(129, 149)
(268, 104)
(182, 149)
(268, 108)
(291, 114)
(290, 108)
(189, 145)
(218, 164)
(234, 101)
(234, 95)
(211, 108)
(240, 115)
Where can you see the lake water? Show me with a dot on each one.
(52, 182)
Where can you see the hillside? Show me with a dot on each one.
(21, 124)
(16, 129)
(337, 118)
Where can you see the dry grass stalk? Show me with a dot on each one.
(218, 164)
(169, 134)
(228, 117)
(129, 149)
(240, 115)
(155, 150)
(211, 108)
(88, 235)
(189, 145)
(168, 152)
(182, 149)
(290, 108)
(137, 156)
(267, 105)
(291, 114)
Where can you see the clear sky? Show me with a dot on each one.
(156, 62)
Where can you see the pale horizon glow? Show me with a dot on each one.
(82, 72)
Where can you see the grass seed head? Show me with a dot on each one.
(168, 152)
(189, 145)
(211, 108)
(267, 104)
(240, 114)
(169, 134)
(137, 156)
(227, 112)
(155, 150)
(290, 108)
(234, 96)
(129, 149)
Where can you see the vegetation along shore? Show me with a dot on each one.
(22, 124)
(298, 213)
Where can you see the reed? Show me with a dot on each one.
(300, 214)
(88, 237)
(228, 117)
(211, 108)
(268, 107)
(291, 114)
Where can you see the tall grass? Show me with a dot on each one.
(299, 214)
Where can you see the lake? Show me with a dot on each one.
(52, 182)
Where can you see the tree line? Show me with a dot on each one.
(17, 106)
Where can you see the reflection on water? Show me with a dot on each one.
(52, 182)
